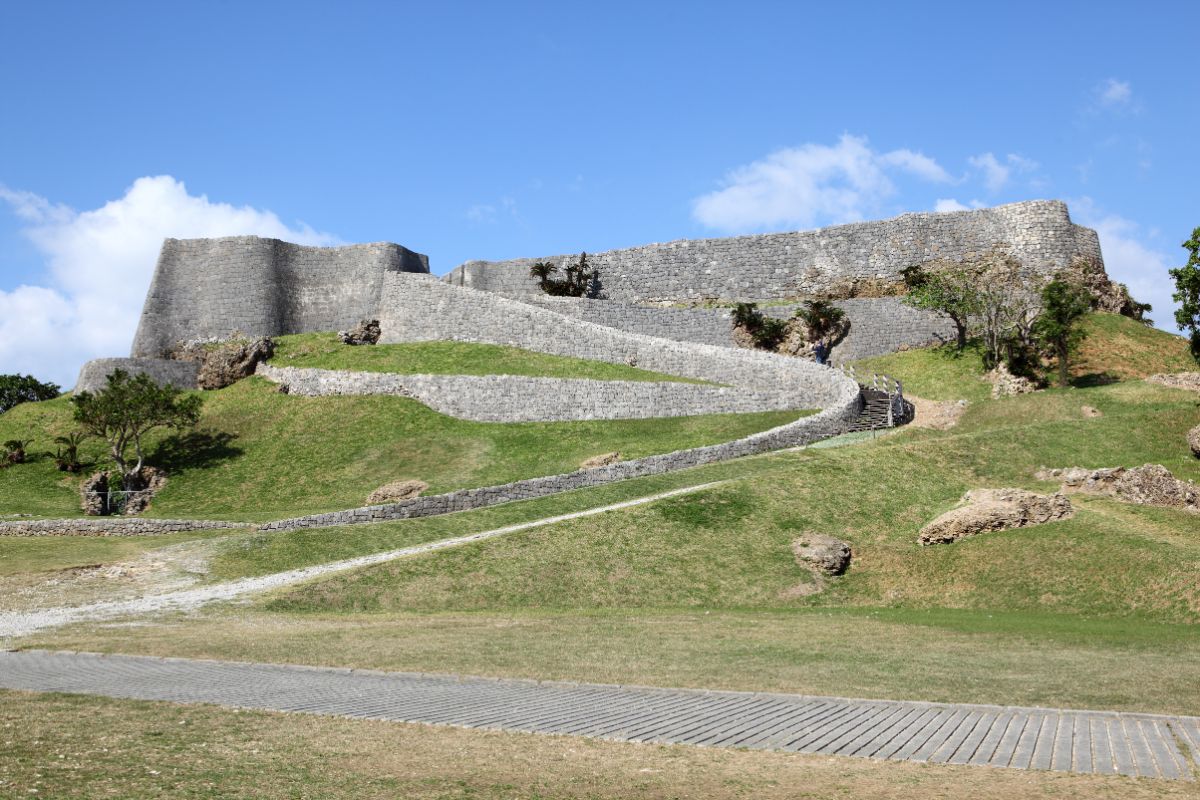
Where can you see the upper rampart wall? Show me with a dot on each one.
(835, 262)
(262, 287)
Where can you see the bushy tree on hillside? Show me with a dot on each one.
(1064, 305)
(128, 408)
(947, 288)
(822, 318)
(1187, 293)
(15, 389)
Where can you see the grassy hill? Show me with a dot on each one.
(1114, 348)
(258, 454)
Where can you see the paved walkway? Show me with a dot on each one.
(1020, 738)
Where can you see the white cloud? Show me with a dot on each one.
(98, 267)
(949, 204)
(996, 173)
(1129, 259)
(1114, 93)
(482, 213)
(810, 185)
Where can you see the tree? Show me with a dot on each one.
(66, 455)
(1187, 293)
(126, 409)
(947, 288)
(766, 332)
(1063, 305)
(16, 389)
(823, 319)
(1008, 302)
(579, 279)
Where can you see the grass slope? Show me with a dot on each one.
(1115, 348)
(258, 454)
(325, 351)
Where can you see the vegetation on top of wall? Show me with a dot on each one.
(579, 278)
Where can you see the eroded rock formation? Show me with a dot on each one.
(989, 510)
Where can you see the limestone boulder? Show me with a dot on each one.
(1147, 485)
(823, 554)
(365, 332)
(1090, 412)
(396, 491)
(1006, 384)
(1193, 439)
(990, 510)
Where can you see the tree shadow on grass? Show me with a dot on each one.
(1094, 379)
(194, 450)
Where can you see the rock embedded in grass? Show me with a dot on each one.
(1090, 412)
(1193, 439)
(1147, 485)
(824, 554)
(602, 460)
(990, 510)
(396, 491)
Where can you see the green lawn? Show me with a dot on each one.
(258, 454)
(1114, 348)
(325, 351)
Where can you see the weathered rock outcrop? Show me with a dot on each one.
(93, 495)
(825, 555)
(1178, 380)
(1005, 384)
(97, 499)
(989, 510)
(602, 460)
(396, 491)
(1193, 439)
(365, 332)
(1147, 485)
(224, 362)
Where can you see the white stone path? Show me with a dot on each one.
(15, 624)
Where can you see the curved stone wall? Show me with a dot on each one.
(94, 374)
(419, 308)
(825, 262)
(262, 287)
(518, 398)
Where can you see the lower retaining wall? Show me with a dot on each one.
(517, 398)
(830, 422)
(111, 526)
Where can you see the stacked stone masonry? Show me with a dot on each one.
(878, 325)
(94, 374)
(111, 526)
(838, 262)
(517, 398)
(262, 287)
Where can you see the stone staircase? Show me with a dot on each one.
(884, 405)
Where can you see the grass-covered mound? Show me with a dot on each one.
(325, 351)
(258, 454)
(729, 547)
(1115, 348)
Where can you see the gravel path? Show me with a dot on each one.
(14, 624)
(1095, 742)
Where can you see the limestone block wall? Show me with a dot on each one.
(517, 398)
(112, 526)
(418, 308)
(262, 287)
(824, 262)
(878, 325)
(94, 374)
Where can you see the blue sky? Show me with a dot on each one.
(488, 130)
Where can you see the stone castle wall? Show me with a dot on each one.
(519, 398)
(839, 262)
(94, 374)
(878, 325)
(262, 287)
